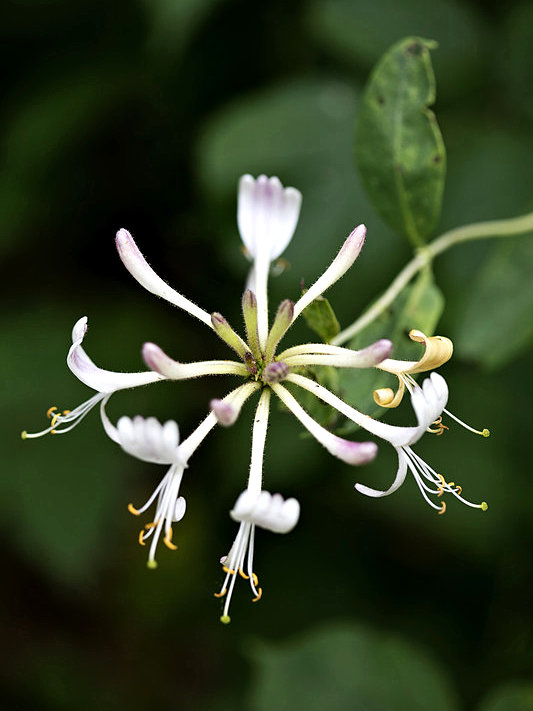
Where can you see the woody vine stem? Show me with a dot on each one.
(425, 255)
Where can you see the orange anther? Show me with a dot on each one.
(443, 508)
(243, 574)
(254, 579)
(66, 412)
(221, 593)
(258, 596)
(141, 537)
(50, 410)
(227, 570)
(133, 510)
(167, 540)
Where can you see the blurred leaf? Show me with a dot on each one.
(517, 696)
(360, 32)
(340, 667)
(420, 305)
(517, 58)
(320, 317)
(173, 23)
(45, 130)
(399, 148)
(497, 322)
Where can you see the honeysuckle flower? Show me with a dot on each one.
(269, 511)
(150, 441)
(105, 382)
(267, 215)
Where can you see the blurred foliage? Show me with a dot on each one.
(144, 114)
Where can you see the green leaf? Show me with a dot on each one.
(420, 305)
(497, 323)
(320, 317)
(399, 148)
(517, 696)
(341, 667)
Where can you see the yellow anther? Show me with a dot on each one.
(141, 537)
(167, 540)
(133, 510)
(152, 564)
(227, 570)
(225, 619)
(439, 427)
(49, 411)
(442, 508)
(258, 596)
(484, 506)
(221, 593)
(243, 574)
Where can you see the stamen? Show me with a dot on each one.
(484, 432)
(439, 427)
(167, 540)
(133, 510)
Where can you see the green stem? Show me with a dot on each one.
(479, 230)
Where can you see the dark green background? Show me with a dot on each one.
(143, 115)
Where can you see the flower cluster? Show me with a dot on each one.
(267, 216)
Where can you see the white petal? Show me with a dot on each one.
(149, 440)
(267, 214)
(347, 255)
(139, 268)
(179, 509)
(398, 481)
(103, 381)
(244, 506)
(156, 359)
(354, 453)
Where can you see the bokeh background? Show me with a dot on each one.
(143, 114)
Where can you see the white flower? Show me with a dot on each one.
(105, 382)
(269, 511)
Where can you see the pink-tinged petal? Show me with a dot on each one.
(398, 481)
(267, 215)
(103, 381)
(354, 453)
(156, 359)
(324, 354)
(140, 270)
(347, 255)
(225, 412)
